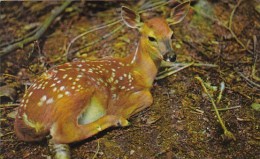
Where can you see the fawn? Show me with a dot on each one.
(76, 100)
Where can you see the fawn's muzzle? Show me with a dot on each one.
(170, 57)
(169, 54)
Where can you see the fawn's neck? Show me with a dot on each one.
(144, 63)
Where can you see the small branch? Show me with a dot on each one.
(154, 5)
(9, 105)
(248, 80)
(227, 133)
(170, 64)
(95, 41)
(9, 133)
(96, 28)
(230, 25)
(20, 39)
(256, 52)
(197, 110)
(98, 147)
(171, 71)
(229, 108)
(39, 33)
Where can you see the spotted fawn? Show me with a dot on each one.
(76, 100)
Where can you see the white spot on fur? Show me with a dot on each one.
(65, 76)
(60, 96)
(90, 70)
(116, 81)
(30, 94)
(54, 89)
(49, 101)
(43, 98)
(67, 93)
(110, 80)
(79, 76)
(62, 88)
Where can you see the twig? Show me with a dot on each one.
(197, 110)
(9, 75)
(230, 26)
(171, 71)
(154, 5)
(96, 28)
(98, 147)
(170, 64)
(9, 133)
(229, 108)
(95, 41)
(20, 39)
(255, 60)
(250, 82)
(39, 33)
(227, 133)
(9, 105)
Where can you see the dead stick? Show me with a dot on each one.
(256, 52)
(227, 133)
(177, 64)
(38, 34)
(91, 43)
(169, 72)
(250, 82)
(9, 105)
(229, 108)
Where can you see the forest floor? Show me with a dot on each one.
(181, 123)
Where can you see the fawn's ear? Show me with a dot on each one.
(130, 17)
(179, 12)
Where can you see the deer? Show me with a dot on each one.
(76, 100)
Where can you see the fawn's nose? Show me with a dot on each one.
(170, 56)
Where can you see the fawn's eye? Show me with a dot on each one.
(151, 39)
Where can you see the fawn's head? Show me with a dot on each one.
(156, 34)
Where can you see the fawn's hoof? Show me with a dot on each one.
(59, 151)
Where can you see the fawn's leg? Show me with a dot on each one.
(59, 151)
(63, 114)
(69, 131)
(139, 101)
